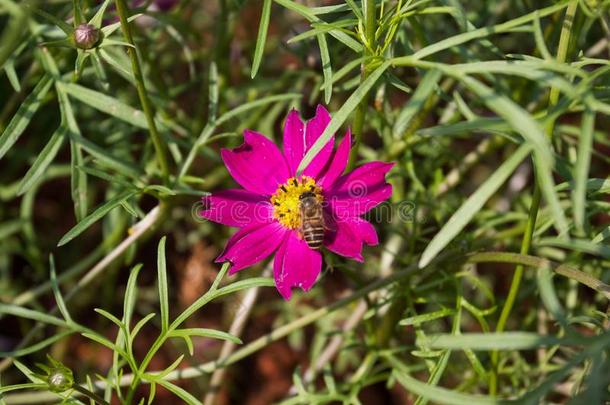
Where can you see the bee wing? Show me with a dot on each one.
(329, 221)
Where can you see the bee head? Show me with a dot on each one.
(307, 194)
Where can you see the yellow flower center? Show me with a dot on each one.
(286, 200)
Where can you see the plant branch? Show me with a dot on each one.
(158, 144)
(370, 26)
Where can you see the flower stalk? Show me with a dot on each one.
(370, 27)
(158, 144)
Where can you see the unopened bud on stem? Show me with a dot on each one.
(86, 36)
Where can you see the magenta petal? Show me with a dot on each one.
(337, 163)
(236, 207)
(252, 244)
(294, 140)
(344, 239)
(316, 126)
(361, 190)
(295, 265)
(257, 165)
(313, 130)
(365, 230)
(348, 235)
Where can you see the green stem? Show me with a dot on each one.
(162, 338)
(91, 395)
(526, 242)
(370, 27)
(158, 144)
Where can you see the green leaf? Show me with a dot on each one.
(78, 179)
(110, 317)
(131, 295)
(472, 206)
(98, 152)
(118, 64)
(309, 15)
(204, 332)
(163, 288)
(459, 39)
(426, 86)
(327, 69)
(578, 245)
(527, 127)
(436, 394)
(261, 37)
(43, 160)
(213, 92)
(341, 115)
(37, 346)
(61, 24)
(59, 299)
(581, 174)
(96, 20)
(544, 278)
(96, 215)
(255, 104)
(100, 72)
(11, 75)
(245, 284)
(27, 313)
(107, 104)
(24, 114)
(136, 329)
(161, 374)
(419, 319)
(102, 340)
(111, 28)
(179, 392)
(490, 341)
(24, 386)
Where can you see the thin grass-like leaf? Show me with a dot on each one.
(204, 332)
(43, 160)
(131, 295)
(426, 86)
(492, 341)
(162, 285)
(24, 114)
(179, 392)
(59, 299)
(27, 313)
(581, 174)
(472, 206)
(96, 215)
(307, 13)
(261, 38)
(107, 104)
(327, 69)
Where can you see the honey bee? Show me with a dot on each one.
(312, 220)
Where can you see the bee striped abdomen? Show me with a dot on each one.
(313, 234)
(312, 220)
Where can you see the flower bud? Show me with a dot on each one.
(58, 377)
(86, 36)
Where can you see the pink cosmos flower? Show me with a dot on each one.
(267, 209)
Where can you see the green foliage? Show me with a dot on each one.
(490, 283)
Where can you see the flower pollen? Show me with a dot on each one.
(286, 200)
